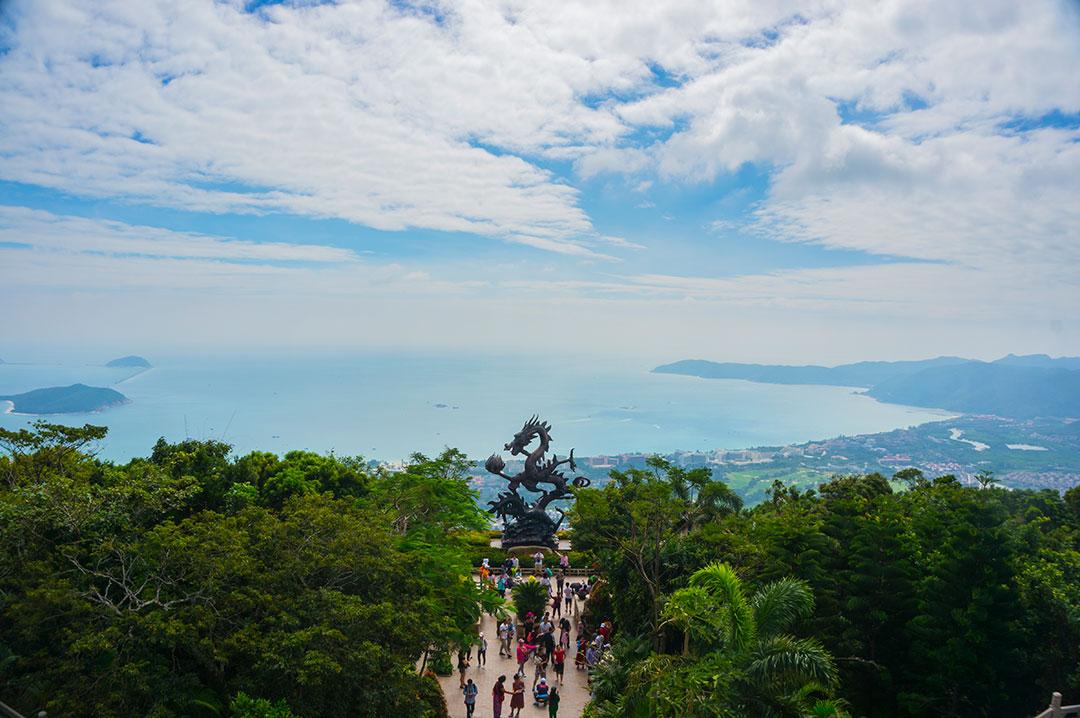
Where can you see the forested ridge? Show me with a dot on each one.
(194, 584)
(197, 583)
(938, 599)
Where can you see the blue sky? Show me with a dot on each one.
(759, 181)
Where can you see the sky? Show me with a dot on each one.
(752, 180)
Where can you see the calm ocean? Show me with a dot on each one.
(386, 406)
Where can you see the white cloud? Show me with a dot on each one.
(65, 233)
(887, 127)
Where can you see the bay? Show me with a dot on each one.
(387, 405)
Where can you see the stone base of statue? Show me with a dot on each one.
(534, 528)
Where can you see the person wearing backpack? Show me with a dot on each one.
(470, 690)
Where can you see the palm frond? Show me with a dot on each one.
(789, 663)
(779, 604)
(725, 587)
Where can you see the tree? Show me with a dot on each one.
(635, 521)
(142, 590)
(737, 659)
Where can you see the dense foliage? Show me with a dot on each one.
(194, 584)
(940, 599)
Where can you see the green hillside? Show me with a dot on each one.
(979, 388)
(74, 399)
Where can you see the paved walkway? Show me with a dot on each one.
(574, 692)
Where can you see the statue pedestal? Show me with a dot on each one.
(535, 528)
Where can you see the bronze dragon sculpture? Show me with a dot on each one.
(538, 470)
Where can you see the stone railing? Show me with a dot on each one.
(1056, 710)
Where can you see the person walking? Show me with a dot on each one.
(553, 702)
(462, 665)
(504, 639)
(558, 660)
(498, 694)
(517, 698)
(470, 690)
(481, 651)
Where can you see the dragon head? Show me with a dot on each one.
(522, 439)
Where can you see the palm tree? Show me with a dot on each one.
(704, 499)
(740, 642)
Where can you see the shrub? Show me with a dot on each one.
(244, 706)
(441, 665)
(530, 596)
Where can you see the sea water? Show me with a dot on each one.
(387, 405)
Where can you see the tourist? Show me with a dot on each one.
(556, 604)
(564, 632)
(523, 651)
(517, 698)
(540, 693)
(538, 560)
(462, 665)
(481, 651)
(511, 636)
(558, 661)
(579, 657)
(539, 666)
(592, 656)
(504, 639)
(564, 562)
(545, 623)
(568, 597)
(560, 580)
(548, 641)
(498, 693)
(470, 690)
(553, 702)
(515, 564)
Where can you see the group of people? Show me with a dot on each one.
(540, 643)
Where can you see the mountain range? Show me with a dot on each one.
(1014, 386)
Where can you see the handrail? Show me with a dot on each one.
(1056, 710)
(9, 712)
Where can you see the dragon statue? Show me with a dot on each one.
(532, 526)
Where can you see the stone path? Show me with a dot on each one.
(574, 692)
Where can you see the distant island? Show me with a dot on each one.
(1013, 386)
(130, 361)
(74, 399)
